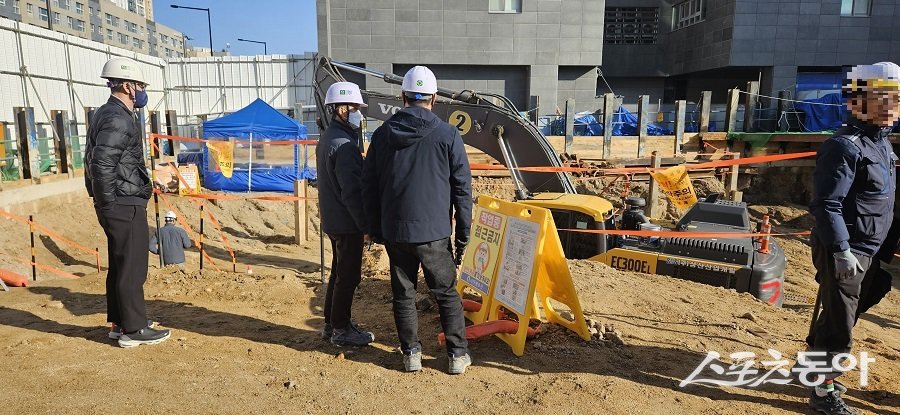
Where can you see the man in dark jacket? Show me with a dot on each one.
(117, 178)
(416, 170)
(853, 203)
(174, 241)
(340, 164)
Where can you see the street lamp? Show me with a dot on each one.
(265, 47)
(208, 21)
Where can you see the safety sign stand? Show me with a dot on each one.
(515, 261)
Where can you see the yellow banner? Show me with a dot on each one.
(221, 156)
(676, 184)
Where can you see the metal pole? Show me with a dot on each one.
(250, 167)
(201, 237)
(211, 50)
(33, 260)
(156, 211)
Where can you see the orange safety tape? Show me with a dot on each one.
(221, 233)
(188, 227)
(686, 234)
(43, 267)
(47, 231)
(260, 141)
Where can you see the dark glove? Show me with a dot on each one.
(458, 257)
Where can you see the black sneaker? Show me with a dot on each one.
(327, 331)
(830, 404)
(115, 331)
(143, 337)
(352, 336)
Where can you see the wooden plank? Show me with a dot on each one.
(731, 107)
(609, 108)
(680, 110)
(705, 108)
(570, 125)
(643, 104)
(750, 104)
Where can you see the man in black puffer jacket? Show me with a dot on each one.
(117, 178)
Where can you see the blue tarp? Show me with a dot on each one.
(823, 117)
(263, 122)
(816, 81)
(624, 124)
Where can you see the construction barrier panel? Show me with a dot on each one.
(516, 258)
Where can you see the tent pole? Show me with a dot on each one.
(250, 167)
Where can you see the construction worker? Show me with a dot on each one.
(340, 167)
(853, 203)
(416, 170)
(118, 180)
(174, 241)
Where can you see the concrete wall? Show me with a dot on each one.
(546, 35)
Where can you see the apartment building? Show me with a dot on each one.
(126, 24)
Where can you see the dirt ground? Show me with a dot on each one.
(249, 342)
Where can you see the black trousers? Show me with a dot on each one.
(440, 275)
(833, 330)
(126, 235)
(346, 270)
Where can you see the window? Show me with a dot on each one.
(108, 19)
(16, 9)
(30, 8)
(71, 21)
(131, 6)
(855, 7)
(631, 25)
(131, 27)
(136, 42)
(140, 9)
(93, 28)
(90, 10)
(109, 34)
(163, 38)
(42, 13)
(2, 2)
(124, 39)
(79, 25)
(687, 13)
(505, 6)
(79, 8)
(63, 4)
(56, 17)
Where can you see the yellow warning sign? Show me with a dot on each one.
(191, 183)
(676, 184)
(461, 120)
(530, 271)
(221, 156)
(480, 261)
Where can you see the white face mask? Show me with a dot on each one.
(355, 118)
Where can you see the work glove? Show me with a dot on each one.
(846, 265)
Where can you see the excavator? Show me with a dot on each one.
(493, 125)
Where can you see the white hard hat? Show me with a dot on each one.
(124, 69)
(344, 93)
(170, 215)
(419, 80)
(878, 75)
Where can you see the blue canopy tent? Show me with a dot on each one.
(256, 122)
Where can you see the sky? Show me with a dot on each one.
(287, 26)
